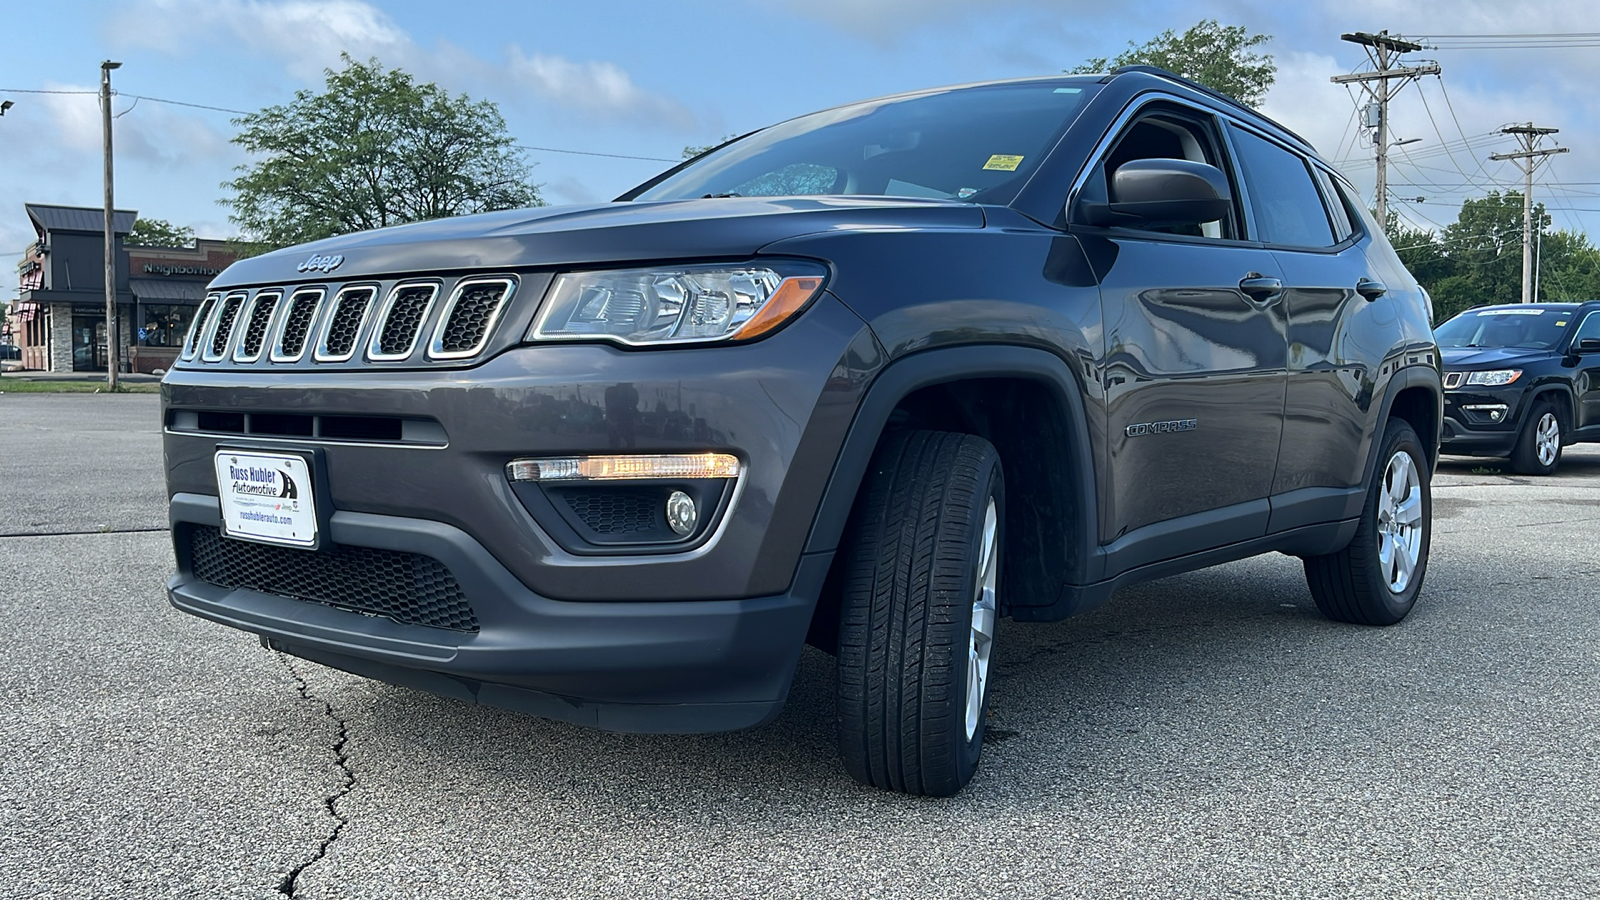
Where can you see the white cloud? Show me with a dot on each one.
(309, 36)
(598, 87)
(142, 133)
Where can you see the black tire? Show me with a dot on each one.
(1354, 584)
(1544, 419)
(906, 629)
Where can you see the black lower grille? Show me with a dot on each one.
(409, 588)
(619, 511)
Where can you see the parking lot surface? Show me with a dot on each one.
(1203, 735)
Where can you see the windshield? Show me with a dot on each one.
(976, 144)
(1530, 328)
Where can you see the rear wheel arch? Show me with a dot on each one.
(1416, 395)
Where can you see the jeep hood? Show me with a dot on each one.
(1468, 358)
(608, 233)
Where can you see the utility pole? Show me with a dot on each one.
(1528, 159)
(1383, 51)
(111, 258)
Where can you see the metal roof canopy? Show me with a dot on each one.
(79, 218)
(162, 289)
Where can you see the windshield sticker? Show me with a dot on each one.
(1069, 90)
(1002, 163)
(1561, 323)
(1512, 312)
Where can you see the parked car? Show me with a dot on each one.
(10, 352)
(1522, 380)
(874, 378)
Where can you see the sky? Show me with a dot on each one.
(646, 79)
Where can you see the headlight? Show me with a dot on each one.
(675, 305)
(1496, 378)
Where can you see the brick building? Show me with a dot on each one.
(59, 317)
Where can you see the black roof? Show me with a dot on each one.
(79, 218)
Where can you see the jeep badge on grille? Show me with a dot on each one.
(320, 264)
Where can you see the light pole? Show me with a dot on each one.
(111, 258)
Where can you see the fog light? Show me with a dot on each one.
(1494, 412)
(681, 512)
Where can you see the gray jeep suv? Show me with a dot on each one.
(872, 378)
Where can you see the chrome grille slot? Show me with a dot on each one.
(257, 321)
(197, 328)
(297, 319)
(400, 322)
(469, 317)
(345, 321)
(222, 330)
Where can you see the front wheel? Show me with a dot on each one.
(918, 613)
(1538, 449)
(1375, 580)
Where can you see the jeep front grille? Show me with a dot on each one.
(469, 317)
(401, 322)
(255, 331)
(408, 588)
(197, 328)
(222, 330)
(350, 308)
(291, 343)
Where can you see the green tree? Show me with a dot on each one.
(375, 148)
(1220, 57)
(159, 233)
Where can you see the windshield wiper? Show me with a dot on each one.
(719, 196)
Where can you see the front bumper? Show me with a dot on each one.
(1469, 429)
(655, 666)
(702, 639)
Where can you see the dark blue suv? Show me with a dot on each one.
(1521, 380)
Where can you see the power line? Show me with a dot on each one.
(240, 112)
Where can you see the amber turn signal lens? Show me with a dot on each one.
(792, 295)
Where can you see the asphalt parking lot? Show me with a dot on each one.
(1206, 735)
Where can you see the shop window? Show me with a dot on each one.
(165, 325)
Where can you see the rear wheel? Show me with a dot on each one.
(1375, 580)
(918, 613)
(1538, 449)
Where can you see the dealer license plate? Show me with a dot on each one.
(267, 497)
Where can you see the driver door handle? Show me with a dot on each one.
(1260, 288)
(1371, 288)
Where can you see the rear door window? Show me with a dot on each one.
(1288, 207)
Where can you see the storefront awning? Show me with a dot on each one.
(165, 290)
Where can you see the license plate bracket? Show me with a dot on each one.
(269, 496)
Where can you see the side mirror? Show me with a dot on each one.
(1161, 192)
(1586, 345)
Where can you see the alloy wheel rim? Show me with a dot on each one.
(980, 639)
(1547, 439)
(1400, 524)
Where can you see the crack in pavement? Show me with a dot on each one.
(290, 882)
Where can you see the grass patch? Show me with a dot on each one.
(1484, 470)
(35, 386)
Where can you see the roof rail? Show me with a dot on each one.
(1204, 89)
